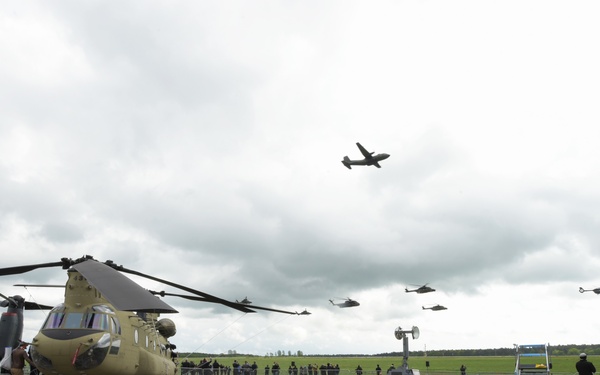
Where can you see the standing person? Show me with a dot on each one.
(378, 370)
(359, 370)
(583, 366)
(32, 369)
(463, 370)
(18, 358)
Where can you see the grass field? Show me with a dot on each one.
(437, 365)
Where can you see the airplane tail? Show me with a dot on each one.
(346, 163)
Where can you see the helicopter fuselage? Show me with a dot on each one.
(87, 335)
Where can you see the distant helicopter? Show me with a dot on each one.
(421, 289)
(596, 290)
(347, 303)
(305, 312)
(245, 301)
(435, 308)
(108, 324)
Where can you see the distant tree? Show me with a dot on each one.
(289, 353)
(279, 353)
(300, 354)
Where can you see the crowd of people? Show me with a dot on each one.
(208, 366)
(213, 367)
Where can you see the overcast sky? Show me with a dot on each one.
(201, 142)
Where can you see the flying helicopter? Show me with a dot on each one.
(596, 290)
(245, 301)
(108, 324)
(347, 303)
(421, 289)
(435, 308)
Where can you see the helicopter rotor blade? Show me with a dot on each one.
(65, 263)
(36, 306)
(202, 299)
(8, 299)
(41, 285)
(120, 290)
(207, 297)
(26, 305)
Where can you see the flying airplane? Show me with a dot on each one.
(421, 289)
(245, 301)
(435, 308)
(108, 324)
(369, 159)
(597, 290)
(347, 303)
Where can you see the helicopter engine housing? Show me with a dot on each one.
(166, 327)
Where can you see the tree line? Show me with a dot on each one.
(572, 349)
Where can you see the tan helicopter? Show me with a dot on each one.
(108, 324)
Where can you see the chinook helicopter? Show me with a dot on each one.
(108, 324)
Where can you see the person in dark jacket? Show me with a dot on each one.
(583, 366)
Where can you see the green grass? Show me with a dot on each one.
(449, 364)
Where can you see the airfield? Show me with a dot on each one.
(564, 364)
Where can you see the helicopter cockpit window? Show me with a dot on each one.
(114, 348)
(103, 308)
(73, 320)
(54, 320)
(95, 321)
(116, 327)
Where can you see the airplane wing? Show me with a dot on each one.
(365, 153)
(377, 165)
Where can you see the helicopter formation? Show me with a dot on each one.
(422, 289)
(107, 324)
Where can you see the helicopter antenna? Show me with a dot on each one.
(259, 332)
(34, 301)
